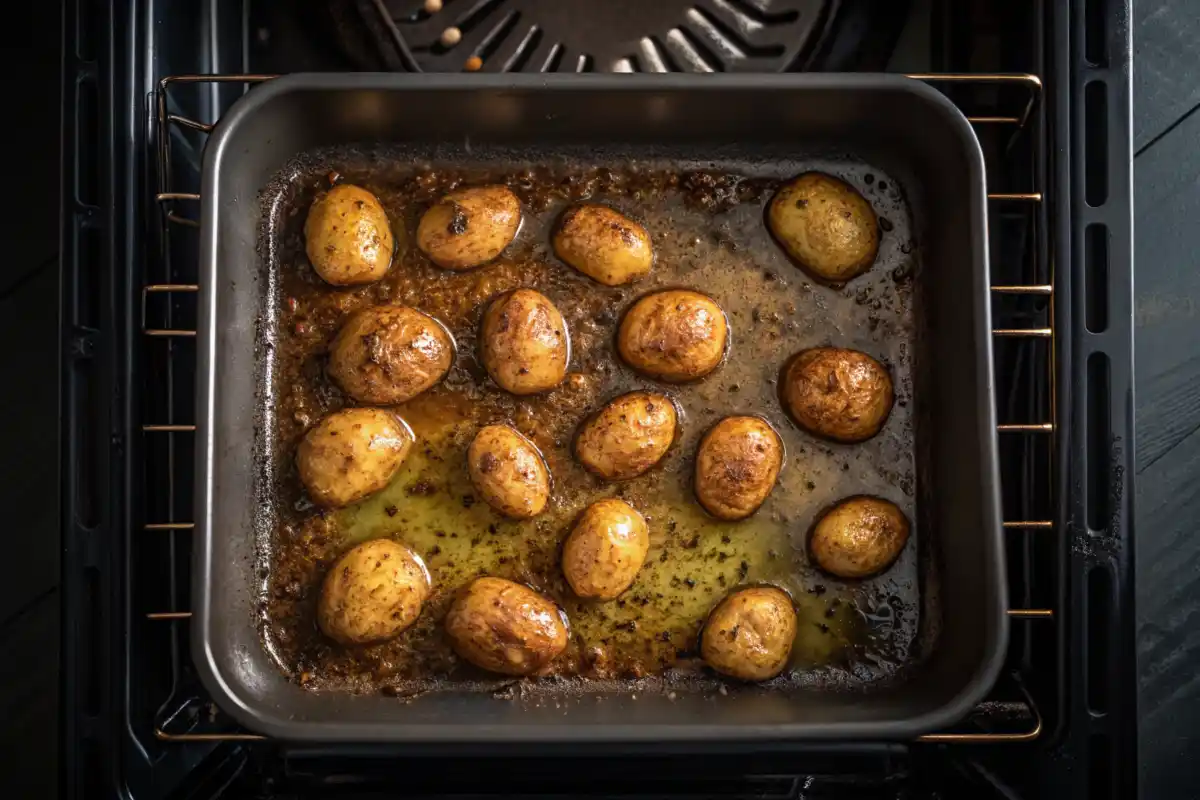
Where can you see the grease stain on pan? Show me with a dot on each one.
(706, 220)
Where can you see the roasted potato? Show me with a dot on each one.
(505, 627)
(469, 227)
(347, 236)
(826, 226)
(508, 472)
(386, 355)
(372, 593)
(749, 634)
(674, 336)
(604, 551)
(524, 342)
(603, 244)
(736, 466)
(859, 537)
(840, 394)
(352, 454)
(628, 436)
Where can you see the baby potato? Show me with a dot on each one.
(373, 592)
(352, 454)
(840, 394)
(628, 436)
(736, 466)
(826, 226)
(749, 634)
(603, 244)
(347, 236)
(505, 627)
(524, 342)
(674, 336)
(508, 472)
(469, 227)
(390, 354)
(604, 551)
(859, 537)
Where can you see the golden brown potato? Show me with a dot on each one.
(524, 342)
(603, 244)
(628, 436)
(352, 454)
(736, 466)
(605, 550)
(390, 354)
(372, 593)
(508, 472)
(469, 227)
(859, 537)
(675, 336)
(347, 236)
(505, 627)
(826, 226)
(840, 394)
(749, 634)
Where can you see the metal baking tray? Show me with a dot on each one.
(904, 128)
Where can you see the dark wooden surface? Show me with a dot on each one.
(1166, 38)
(29, 611)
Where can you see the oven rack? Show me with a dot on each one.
(1024, 708)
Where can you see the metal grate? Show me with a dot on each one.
(177, 712)
(621, 35)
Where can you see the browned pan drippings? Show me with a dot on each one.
(708, 232)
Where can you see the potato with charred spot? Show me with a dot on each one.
(606, 548)
(505, 627)
(838, 394)
(826, 226)
(347, 236)
(628, 436)
(604, 244)
(373, 593)
(508, 472)
(675, 335)
(469, 227)
(352, 454)
(736, 466)
(859, 537)
(749, 634)
(524, 342)
(386, 355)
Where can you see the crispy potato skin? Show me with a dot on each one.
(859, 537)
(737, 465)
(347, 236)
(675, 336)
(524, 343)
(749, 634)
(604, 551)
(469, 227)
(386, 355)
(826, 226)
(628, 436)
(505, 627)
(838, 394)
(352, 454)
(604, 244)
(508, 472)
(373, 593)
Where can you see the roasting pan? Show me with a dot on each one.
(907, 129)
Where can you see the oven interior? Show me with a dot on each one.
(1045, 85)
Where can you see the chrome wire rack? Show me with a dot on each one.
(1019, 715)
